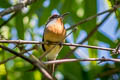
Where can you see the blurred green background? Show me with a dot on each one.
(29, 25)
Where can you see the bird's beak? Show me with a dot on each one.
(63, 15)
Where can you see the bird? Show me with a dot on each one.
(54, 32)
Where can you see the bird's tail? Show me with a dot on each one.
(51, 68)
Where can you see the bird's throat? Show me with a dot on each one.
(55, 31)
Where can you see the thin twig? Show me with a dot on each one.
(30, 61)
(13, 57)
(92, 17)
(15, 8)
(37, 60)
(46, 52)
(65, 44)
(117, 49)
(17, 54)
(59, 43)
(5, 22)
(22, 42)
(89, 35)
(108, 73)
(96, 28)
(75, 60)
(43, 68)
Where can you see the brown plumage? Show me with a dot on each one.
(54, 32)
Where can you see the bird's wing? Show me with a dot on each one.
(43, 47)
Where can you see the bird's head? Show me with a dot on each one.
(57, 17)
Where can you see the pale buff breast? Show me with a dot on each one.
(54, 31)
(54, 52)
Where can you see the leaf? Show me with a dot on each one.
(44, 13)
(75, 35)
(90, 9)
(117, 12)
(34, 7)
(26, 74)
(102, 37)
(4, 4)
(3, 72)
(19, 25)
(72, 71)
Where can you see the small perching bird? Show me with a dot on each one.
(54, 32)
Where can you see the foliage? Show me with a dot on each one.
(28, 24)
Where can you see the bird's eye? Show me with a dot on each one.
(54, 16)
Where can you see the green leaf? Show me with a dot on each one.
(19, 26)
(91, 9)
(72, 71)
(34, 7)
(44, 13)
(26, 74)
(4, 4)
(102, 37)
(75, 35)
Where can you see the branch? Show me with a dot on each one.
(59, 43)
(5, 22)
(89, 35)
(30, 61)
(108, 73)
(16, 7)
(92, 17)
(96, 28)
(13, 57)
(65, 44)
(17, 54)
(42, 68)
(75, 60)
(29, 42)
(22, 42)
